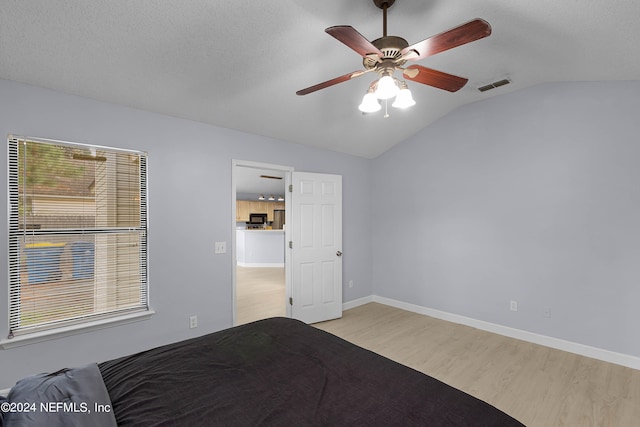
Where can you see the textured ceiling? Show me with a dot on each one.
(238, 63)
(251, 184)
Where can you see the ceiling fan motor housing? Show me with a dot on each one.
(391, 47)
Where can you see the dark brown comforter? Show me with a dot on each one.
(282, 372)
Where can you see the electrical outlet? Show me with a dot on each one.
(514, 305)
(193, 322)
(547, 312)
(221, 247)
(351, 283)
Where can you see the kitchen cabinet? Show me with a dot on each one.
(242, 210)
(246, 207)
(258, 207)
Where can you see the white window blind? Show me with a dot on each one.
(77, 234)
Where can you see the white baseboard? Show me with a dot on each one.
(572, 347)
(355, 303)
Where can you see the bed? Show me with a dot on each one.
(275, 371)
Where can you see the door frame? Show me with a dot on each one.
(288, 170)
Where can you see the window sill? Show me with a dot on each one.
(73, 330)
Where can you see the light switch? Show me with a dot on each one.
(221, 247)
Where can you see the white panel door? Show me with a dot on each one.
(316, 250)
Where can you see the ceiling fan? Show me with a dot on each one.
(390, 53)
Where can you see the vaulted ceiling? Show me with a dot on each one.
(238, 63)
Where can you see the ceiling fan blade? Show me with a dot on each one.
(435, 78)
(353, 39)
(332, 82)
(463, 34)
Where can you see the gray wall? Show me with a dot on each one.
(532, 196)
(189, 184)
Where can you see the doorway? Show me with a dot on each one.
(260, 275)
(260, 293)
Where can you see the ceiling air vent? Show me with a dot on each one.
(494, 85)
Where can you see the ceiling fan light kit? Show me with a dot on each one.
(386, 87)
(404, 99)
(369, 103)
(389, 54)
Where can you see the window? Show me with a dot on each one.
(77, 234)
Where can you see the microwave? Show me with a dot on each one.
(257, 218)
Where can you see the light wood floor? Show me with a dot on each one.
(260, 293)
(537, 385)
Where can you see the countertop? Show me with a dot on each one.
(254, 230)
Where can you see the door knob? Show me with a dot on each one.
(339, 253)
